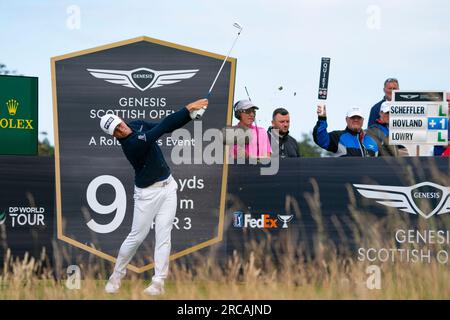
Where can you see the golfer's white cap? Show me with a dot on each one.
(385, 107)
(109, 122)
(354, 111)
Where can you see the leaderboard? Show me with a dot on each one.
(418, 118)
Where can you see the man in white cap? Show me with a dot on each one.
(379, 131)
(258, 145)
(351, 142)
(155, 191)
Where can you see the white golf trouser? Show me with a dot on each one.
(157, 202)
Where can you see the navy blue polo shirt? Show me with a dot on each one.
(142, 151)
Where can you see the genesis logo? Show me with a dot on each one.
(142, 78)
(409, 96)
(425, 198)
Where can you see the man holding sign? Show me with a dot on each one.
(351, 142)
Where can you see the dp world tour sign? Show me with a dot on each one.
(18, 115)
(138, 79)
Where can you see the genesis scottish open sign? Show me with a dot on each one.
(137, 79)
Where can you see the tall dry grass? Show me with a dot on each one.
(291, 266)
(253, 277)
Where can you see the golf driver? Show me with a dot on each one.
(249, 99)
(199, 113)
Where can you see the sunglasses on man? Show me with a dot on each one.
(249, 111)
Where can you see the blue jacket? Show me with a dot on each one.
(380, 133)
(375, 112)
(344, 143)
(141, 149)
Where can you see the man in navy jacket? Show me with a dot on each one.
(389, 85)
(155, 191)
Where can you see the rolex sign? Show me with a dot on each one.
(18, 115)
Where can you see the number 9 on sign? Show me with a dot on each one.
(119, 205)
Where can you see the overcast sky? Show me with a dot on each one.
(281, 45)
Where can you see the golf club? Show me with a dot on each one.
(199, 113)
(249, 99)
(256, 124)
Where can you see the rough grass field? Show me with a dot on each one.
(337, 279)
(282, 268)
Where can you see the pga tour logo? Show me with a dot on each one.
(426, 198)
(265, 221)
(142, 78)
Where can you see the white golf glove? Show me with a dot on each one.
(197, 114)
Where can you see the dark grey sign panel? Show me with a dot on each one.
(140, 79)
(418, 96)
(26, 206)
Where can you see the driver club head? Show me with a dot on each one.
(237, 25)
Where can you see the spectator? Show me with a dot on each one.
(258, 145)
(286, 146)
(389, 85)
(351, 142)
(379, 131)
(439, 150)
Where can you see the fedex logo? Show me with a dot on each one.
(264, 221)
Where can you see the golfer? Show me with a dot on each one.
(155, 191)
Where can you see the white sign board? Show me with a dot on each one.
(418, 118)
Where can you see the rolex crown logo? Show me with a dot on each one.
(12, 106)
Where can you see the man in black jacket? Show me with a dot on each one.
(287, 147)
